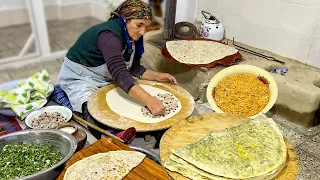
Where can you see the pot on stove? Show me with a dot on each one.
(211, 27)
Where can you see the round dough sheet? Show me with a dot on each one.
(126, 106)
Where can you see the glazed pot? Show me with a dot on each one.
(211, 27)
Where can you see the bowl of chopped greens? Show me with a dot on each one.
(35, 154)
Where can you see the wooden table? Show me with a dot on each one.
(147, 170)
(196, 127)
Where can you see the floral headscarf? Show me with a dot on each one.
(133, 9)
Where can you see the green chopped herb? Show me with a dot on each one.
(19, 160)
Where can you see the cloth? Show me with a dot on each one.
(60, 97)
(8, 125)
(127, 135)
(133, 9)
(281, 71)
(29, 95)
(111, 49)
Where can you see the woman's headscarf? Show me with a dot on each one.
(133, 9)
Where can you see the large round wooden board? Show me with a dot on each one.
(100, 110)
(196, 127)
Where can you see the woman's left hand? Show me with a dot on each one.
(165, 77)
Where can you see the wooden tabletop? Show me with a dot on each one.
(147, 169)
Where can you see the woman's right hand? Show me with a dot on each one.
(155, 106)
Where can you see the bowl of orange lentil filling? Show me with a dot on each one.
(244, 90)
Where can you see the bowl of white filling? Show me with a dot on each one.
(48, 117)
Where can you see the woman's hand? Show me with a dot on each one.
(165, 77)
(155, 106)
(160, 77)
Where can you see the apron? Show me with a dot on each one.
(79, 81)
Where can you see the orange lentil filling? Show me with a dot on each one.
(241, 94)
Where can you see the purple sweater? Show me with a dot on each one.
(111, 49)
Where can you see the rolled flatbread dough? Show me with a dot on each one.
(126, 106)
(198, 52)
(113, 165)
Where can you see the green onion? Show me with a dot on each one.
(19, 160)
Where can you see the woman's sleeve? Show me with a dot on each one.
(137, 69)
(111, 49)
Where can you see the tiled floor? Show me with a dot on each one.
(13, 39)
(64, 33)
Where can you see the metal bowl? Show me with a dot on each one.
(63, 142)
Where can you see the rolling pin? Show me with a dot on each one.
(79, 119)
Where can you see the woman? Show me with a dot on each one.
(111, 52)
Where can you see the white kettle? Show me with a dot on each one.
(211, 27)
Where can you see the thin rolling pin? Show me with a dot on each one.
(77, 118)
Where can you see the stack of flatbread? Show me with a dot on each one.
(255, 150)
(113, 165)
(198, 52)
